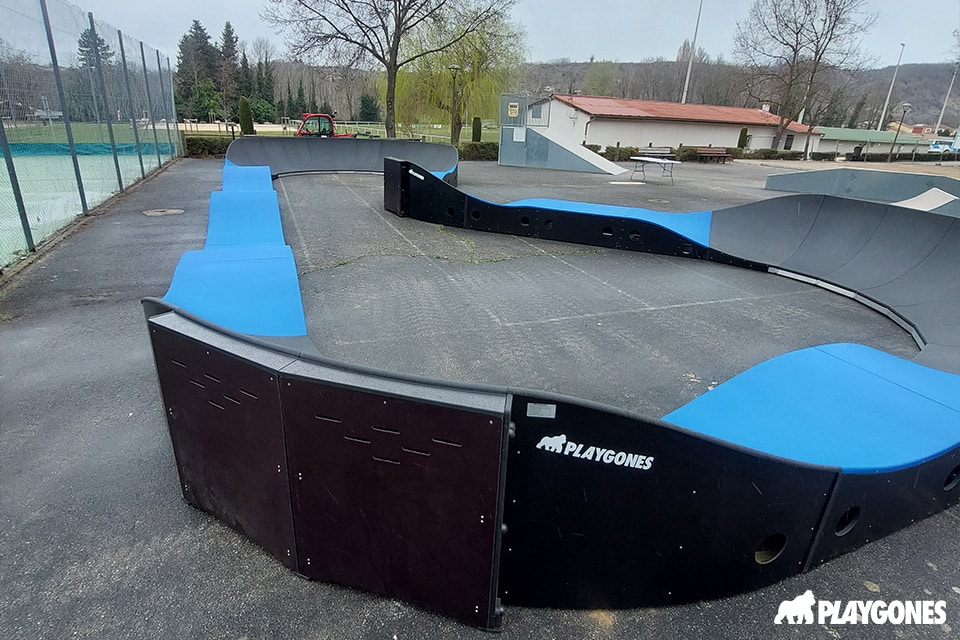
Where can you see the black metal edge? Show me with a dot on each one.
(891, 500)
(613, 232)
(452, 385)
(495, 614)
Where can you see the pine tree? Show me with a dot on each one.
(87, 46)
(197, 60)
(246, 83)
(312, 105)
(228, 71)
(291, 105)
(301, 97)
(369, 109)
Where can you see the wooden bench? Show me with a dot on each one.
(716, 154)
(658, 152)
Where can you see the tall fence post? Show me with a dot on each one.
(173, 108)
(63, 104)
(15, 185)
(133, 113)
(153, 120)
(163, 102)
(103, 96)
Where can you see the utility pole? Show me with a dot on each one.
(946, 99)
(693, 50)
(886, 103)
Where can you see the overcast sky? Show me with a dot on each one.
(620, 30)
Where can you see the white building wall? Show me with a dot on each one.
(576, 126)
(646, 133)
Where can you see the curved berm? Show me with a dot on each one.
(457, 497)
(288, 155)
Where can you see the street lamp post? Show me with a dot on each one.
(454, 68)
(906, 107)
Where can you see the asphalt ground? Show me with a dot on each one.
(95, 541)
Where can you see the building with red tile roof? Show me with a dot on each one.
(607, 121)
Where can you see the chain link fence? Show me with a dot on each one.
(85, 111)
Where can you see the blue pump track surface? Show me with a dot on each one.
(693, 226)
(838, 405)
(845, 406)
(245, 278)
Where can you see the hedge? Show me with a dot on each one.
(205, 146)
(922, 156)
(479, 150)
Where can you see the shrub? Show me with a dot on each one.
(262, 111)
(477, 129)
(205, 146)
(819, 155)
(742, 140)
(763, 154)
(736, 153)
(789, 155)
(619, 154)
(687, 154)
(479, 150)
(246, 117)
(593, 147)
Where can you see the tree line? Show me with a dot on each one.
(430, 59)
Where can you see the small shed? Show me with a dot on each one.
(842, 140)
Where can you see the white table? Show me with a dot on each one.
(666, 166)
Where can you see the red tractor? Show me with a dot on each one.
(319, 125)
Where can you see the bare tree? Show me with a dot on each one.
(786, 45)
(378, 30)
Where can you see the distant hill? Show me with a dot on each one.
(924, 86)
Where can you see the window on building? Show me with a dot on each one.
(788, 143)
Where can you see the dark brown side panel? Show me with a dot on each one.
(227, 432)
(395, 496)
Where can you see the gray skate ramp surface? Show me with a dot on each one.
(865, 184)
(906, 260)
(96, 542)
(286, 155)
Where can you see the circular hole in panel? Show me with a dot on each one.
(451, 211)
(686, 249)
(475, 214)
(770, 549)
(548, 224)
(952, 479)
(847, 521)
(524, 221)
(607, 231)
(635, 236)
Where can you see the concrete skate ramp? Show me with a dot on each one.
(540, 149)
(899, 259)
(929, 200)
(306, 155)
(865, 184)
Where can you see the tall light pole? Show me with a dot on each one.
(886, 103)
(906, 107)
(454, 68)
(693, 50)
(946, 99)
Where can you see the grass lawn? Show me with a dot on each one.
(83, 133)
